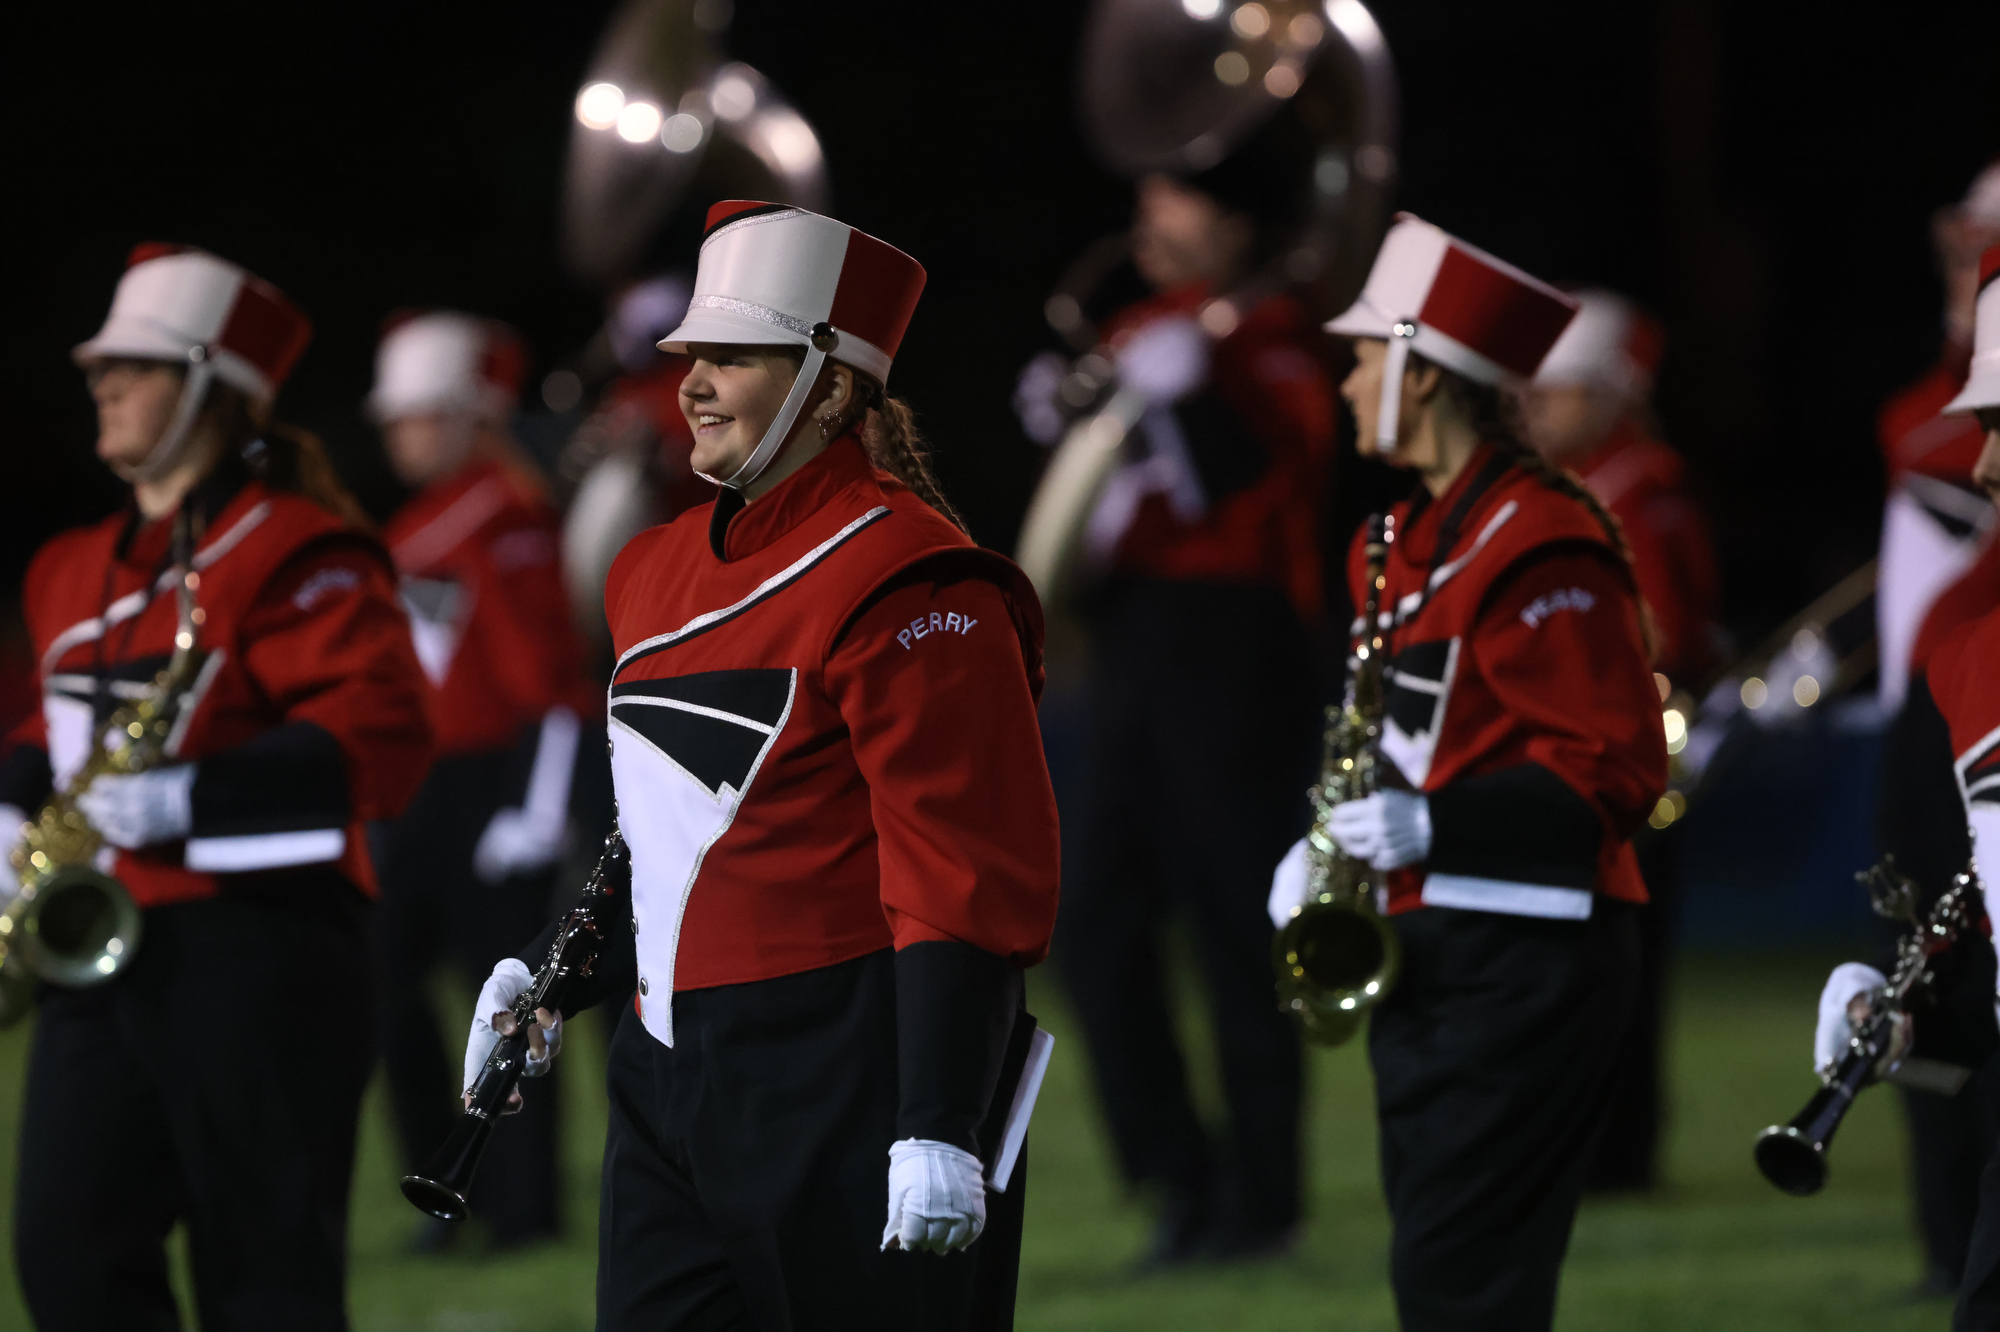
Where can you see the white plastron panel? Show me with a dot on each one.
(1419, 689)
(684, 751)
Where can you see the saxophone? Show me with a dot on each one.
(71, 923)
(1337, 957)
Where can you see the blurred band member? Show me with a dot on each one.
(1524, 728)
(1941, 810)
(1201, 703)
(1589, 410)
(1966, 688)
(185, 1090)
(1935, 520)
(1935, 539)
(469, 871)
(843, 840)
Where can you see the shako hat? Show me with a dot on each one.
(1611, 344)
(446, 361)
(187, 306)
(1458, 306)
(771, 275)
(1982, 385)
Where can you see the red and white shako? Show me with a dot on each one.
(1456, 305)
(772, 275)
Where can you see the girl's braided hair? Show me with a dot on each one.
(889, 433)
(1492, 415)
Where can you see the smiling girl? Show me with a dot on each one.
(843, 839)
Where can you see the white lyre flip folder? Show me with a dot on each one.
(1025, 1091)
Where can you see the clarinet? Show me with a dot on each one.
(1793, 1156)
(440, 1190)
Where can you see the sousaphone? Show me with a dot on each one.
(1179, 86)
(664, 125)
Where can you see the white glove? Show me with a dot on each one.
(1165, 360)
(519, 841)
(1389, 829)
(510, 977)
(533, 834)
(1035, 398)
(1849, 982)
(143, 808)
(1288, 885)
(13, 819)
(937, 1196)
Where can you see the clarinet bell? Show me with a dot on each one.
(441, 1189)
(1791, 1160)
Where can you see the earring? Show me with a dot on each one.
(826, 426)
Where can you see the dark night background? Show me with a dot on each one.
(1762, 175)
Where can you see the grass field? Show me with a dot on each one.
(1718, 1249)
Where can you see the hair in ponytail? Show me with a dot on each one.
(1492, 414)
(889, 434)
(283, 456)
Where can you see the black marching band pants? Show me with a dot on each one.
(1628, 1154)
(746, 1169)
(1493, 1060)
(1202, 742)
(434, 908)
(217, 1083)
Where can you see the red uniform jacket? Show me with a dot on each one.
(1975, 594)
(1518, 697)
(308, 719)
(1260, 435)
(1916, 441)
(824, 736)
(1644, 484)
(482, 580)
(1935, 517)
(1964, 673)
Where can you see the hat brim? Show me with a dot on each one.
(1361, 321)
(138, 343)
(1982, 390)
(729, 329)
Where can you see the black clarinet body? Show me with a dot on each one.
(1793, 1155)
(441, 1189)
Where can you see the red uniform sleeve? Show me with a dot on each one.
(327, 642)
(1288, 401)
(538, 657)
(1965, 681)
(933, 682)
(1561, 648)
(1674, 564)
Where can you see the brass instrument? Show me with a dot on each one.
(579, 943)
(1337, 957)
(70, 923)
(1178, 88)
(1793, 1156)
(1813, 657)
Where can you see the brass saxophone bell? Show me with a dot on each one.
(1336, 957)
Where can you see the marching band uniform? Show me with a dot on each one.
(1201, 698)
(1521, 713)
(1935, 520)
(1950, 723)
(469, 870)
(180, 1090)
(1954, 697)
(1921, 823)
(843, 853)
(1610, 354)
(1935, 530)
